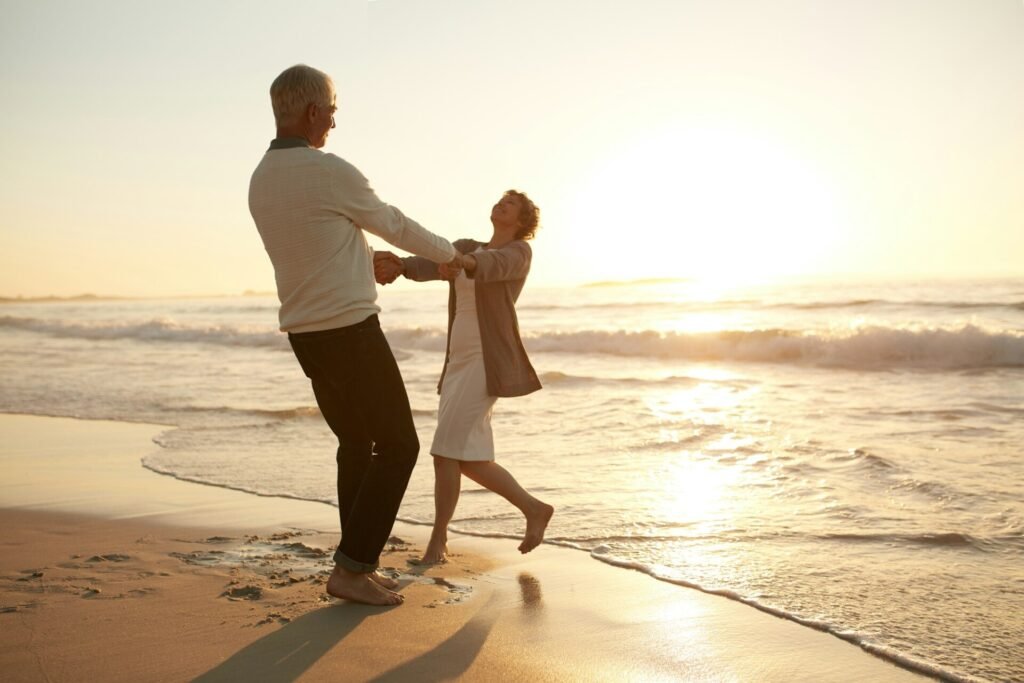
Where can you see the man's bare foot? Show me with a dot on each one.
(360, 588)
(536, 525)
(382, 580)
(435, 554)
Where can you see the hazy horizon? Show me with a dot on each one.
(716, 291)
(728, 142)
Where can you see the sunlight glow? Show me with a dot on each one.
(719, 205)
(691, 405)
(699, 485)
(695, 491)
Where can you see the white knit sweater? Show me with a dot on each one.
(311, 209)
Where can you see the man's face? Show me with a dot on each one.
(321, 122)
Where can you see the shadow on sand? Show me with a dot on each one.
(453, 657)
(285, 654)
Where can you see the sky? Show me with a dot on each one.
(727, 140)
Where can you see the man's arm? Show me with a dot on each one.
(357, 200)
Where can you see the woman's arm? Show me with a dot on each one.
(511, 262)
(419, 269)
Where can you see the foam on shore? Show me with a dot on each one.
(105, 559)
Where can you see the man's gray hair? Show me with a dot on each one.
(295, 89)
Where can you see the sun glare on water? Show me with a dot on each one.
(718, 206)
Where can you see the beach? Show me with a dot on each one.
(841, 457)
(113, 572)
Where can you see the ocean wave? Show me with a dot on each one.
(273, 416)
(869, 348)
(302, 412)
(886, 303)
(862, 456)
(558, 377)
(297, 413)
(674, 306)
(966, 347)
(939, 540)
(157, 329)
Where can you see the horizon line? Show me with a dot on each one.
(89, 296)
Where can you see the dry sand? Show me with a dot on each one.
(110, 572)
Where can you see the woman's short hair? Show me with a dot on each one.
(295, 89)
(529, 215)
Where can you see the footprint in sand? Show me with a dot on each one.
(113, 557)
(243, 593)
(456, 592)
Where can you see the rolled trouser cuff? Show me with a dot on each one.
(346, 562)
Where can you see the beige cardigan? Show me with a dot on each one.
(498, 279)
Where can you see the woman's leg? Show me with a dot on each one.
(496, 478)
(447, 483)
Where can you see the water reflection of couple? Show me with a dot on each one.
(311, 209)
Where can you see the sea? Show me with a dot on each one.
(843, 454)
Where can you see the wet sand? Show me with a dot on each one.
(111, 572)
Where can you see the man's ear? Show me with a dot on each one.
(311, 112)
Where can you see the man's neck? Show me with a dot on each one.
(293, 132)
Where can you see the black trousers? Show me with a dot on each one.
(362, 397)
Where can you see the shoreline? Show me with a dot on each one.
(237, 578)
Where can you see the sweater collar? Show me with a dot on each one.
(288, 143)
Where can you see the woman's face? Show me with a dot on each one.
(506, 212)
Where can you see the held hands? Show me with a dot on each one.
(451, 270)
(386, 267)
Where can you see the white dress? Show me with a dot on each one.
(464, 414)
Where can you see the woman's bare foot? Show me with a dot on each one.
(360, 588)
(536, 525)
(436, 553)
(382, 580)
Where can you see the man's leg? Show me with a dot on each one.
(335, 363)
(355, 449)
(355, 369)
(353, 457)
(378, 394)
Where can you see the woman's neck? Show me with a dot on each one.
(500, 238)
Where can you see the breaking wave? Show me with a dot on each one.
(966, 347)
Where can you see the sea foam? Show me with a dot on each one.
(874, 347)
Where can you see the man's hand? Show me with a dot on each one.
(386, 267)
(451, 270)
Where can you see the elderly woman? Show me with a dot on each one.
(485, 359)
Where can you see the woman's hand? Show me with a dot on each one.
(451, 270)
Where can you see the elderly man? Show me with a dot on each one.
(311, 209)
